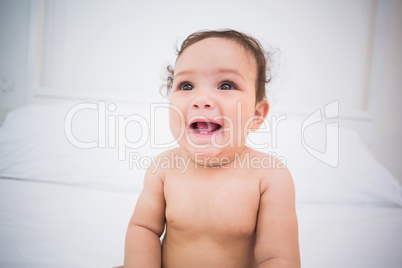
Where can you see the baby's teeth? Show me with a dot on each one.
(203, 132)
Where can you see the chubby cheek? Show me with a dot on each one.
(176, 122)
(247, 121)
(246, 116)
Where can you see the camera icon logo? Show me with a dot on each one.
(330, 155)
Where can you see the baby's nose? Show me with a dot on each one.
(203, 101)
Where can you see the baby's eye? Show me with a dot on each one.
(226, 86)
(186, 86)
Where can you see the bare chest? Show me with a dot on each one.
(216, 206)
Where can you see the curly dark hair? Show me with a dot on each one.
(263, 57)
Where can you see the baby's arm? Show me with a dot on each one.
(142, 246)
(277, 242)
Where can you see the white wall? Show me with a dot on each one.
(119, 47)
(389, 106)
(14, 25)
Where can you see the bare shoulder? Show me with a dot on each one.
(273, 172)
(162, 163)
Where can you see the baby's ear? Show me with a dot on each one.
(260, 113)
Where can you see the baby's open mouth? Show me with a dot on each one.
(205, 127)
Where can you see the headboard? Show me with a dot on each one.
(128, 57)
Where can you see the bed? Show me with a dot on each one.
(71, 173)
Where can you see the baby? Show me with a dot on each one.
(224, 209)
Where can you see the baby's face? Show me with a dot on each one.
(213, 100)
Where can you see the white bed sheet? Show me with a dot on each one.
(350, 235)
(58, 225)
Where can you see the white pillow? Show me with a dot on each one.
(34, 145)
(358, 177)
